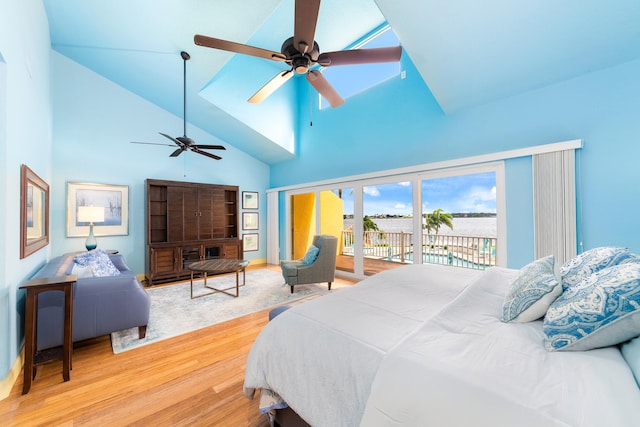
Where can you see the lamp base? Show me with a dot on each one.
(91, 242)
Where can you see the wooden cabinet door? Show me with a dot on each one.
(219, 216)
(206, 213)
(230, 251)
(182, 213)
(163, 261)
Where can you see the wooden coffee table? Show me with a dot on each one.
(215, 267)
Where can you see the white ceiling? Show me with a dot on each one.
(468, 52)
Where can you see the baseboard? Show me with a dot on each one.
(6, 384)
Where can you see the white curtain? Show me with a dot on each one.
(273, 252)
(554, 205)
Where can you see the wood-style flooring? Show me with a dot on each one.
(190, 380)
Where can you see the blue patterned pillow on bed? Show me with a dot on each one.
(98, 261)
(531, 292)
(591, 261)
(603, 310)
(311, 255)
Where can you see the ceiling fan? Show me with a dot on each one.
(183, 142)
(301, 53)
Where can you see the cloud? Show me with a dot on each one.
(405, 183)
(371, 191)
(399, 206)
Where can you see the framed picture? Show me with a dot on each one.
(114, 215)
(249, 220)
(250, 242)
(249, 200)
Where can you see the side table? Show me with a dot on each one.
(32, 357)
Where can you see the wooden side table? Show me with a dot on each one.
(33, 358)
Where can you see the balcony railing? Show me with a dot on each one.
(458, 251)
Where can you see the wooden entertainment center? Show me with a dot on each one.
(187, 222)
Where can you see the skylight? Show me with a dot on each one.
(353, 79)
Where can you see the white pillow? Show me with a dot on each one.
(81, 271)
(531, 292)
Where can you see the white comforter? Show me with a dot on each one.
(407, 348)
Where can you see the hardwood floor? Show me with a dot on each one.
(193, 379)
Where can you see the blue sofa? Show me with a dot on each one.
(101, 305)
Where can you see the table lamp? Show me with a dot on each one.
(90, 214)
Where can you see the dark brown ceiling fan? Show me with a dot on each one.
(301, 52)
(183, 142)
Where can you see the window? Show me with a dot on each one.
(353, 79)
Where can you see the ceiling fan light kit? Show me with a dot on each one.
(302, 54)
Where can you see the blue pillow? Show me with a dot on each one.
(603, 310)
(99, 262)
(531, 292)
(311, 255)
(631, 353)
(589, 262)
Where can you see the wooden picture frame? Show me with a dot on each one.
(34, 212)
(113, 198)
(249, 220)
(250, 242)
(249, 200)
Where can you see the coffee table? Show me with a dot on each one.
(218, 266)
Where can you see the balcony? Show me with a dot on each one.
(383, 250)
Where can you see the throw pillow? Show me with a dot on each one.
(81, 271)
(589, 262)
(531, 292)
(631, 353)
(311, 255)
(99, 261)
(603, 310)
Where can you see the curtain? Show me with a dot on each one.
(554, 203)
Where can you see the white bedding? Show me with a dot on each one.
(407, 348)
(322, 356)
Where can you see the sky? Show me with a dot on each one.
(456, 194)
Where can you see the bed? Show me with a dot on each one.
(426, 345)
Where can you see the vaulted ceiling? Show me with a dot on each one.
(467, 52)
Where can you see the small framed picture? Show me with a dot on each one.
(249, 200)
(249, 220)
(250, 242)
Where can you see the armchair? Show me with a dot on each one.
(321, 270)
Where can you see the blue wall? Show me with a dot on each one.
(399, 124)
(25, 138)
(94, 123)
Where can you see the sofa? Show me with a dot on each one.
(101, 305)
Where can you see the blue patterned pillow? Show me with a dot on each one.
(98, 261)
(311, 255)
(603, 310)
(531, 292)
(589, 262)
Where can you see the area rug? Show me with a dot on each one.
(174, 313)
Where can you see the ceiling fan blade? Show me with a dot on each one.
(360, 56)
(325, 89)
(237, 48)
(304, 29)
(209, 147)
(178, 143)
(177, 152)
(270, 87)
(151, 143)
(204, 153)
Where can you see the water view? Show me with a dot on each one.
(476, 226)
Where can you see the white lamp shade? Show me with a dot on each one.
(90, 214)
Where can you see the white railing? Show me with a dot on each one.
(459, 251)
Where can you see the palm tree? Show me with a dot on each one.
(437, 219)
